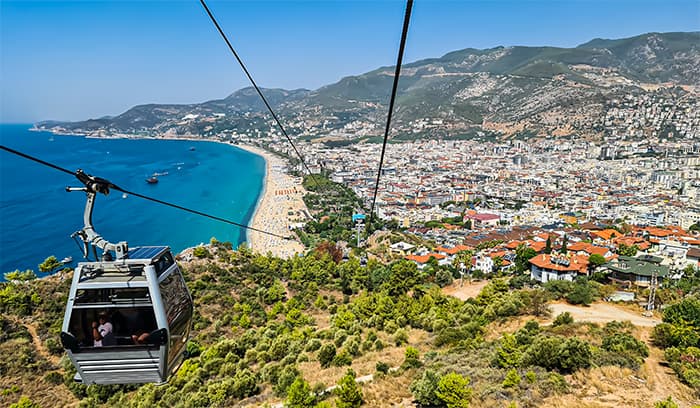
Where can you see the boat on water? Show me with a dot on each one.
(192, 148)
(67, 260)
(152, 180)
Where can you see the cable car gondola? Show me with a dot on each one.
(140, 299)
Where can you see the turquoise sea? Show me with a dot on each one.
(37, 215)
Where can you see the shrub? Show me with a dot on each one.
(563, 319)
(507, 353)
(453, 389)
(339, 337)
(313, 345)
(555, 353)
(352, 345)
(349, 394)
(685, 312)
(667, 403)
(574, 354)
(686, 363)
(400, 337)
(326, 354)
(193, 349)
(625, 344)
(299, 395)
(530, 376)
(378, 345)
(18, 275)
(555, 384)
(54, 346)
(201, 252)
(424, 389)
(663, 335)
(581, 293)
(558, 288)
(25, 402)
(512, 379)
(245, 384)
(443, 278)
(412, 358)
(53, 377)
(342, 359)
(382, 367)
(543, 352)
(285, 379)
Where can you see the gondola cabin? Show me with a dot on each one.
(144, 298)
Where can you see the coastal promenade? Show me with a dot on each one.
(279, 207)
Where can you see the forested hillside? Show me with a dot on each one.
(272, 331)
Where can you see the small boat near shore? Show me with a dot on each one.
(152, 180)
(67, 260)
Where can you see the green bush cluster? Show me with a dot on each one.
(679, 334)
(450, 390)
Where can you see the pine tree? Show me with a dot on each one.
(349, 394)
(548, 245)
(299, 395)
(564, 249)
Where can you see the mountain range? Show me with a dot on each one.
(504, 90)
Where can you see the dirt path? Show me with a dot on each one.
(466, 291)
(603, 313)
(661, 378)
(38, 344)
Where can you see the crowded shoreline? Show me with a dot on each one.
(279, 201)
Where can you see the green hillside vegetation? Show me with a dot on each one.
(263, 324)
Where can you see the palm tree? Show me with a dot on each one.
(463, 261)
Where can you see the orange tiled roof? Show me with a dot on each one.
(577, 263)
(495, 254)
(658, 232)
(421, 259)
(606, 234)
(577, 246)
(513, 244)
(449, 251)
(538, 246)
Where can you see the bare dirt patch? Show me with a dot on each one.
(603, 313)
(466, 291)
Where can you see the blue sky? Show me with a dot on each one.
(85, 59)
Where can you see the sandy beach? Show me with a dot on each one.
(280, 206)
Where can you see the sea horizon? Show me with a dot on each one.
(37, 216)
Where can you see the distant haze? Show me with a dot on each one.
(79, 60)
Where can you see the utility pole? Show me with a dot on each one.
(359, 230)
(359, 220)
(652, 289)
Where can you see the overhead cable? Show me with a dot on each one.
(255, 85)
(397, 71)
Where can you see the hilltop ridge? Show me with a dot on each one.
(505, 90)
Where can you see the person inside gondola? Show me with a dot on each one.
(103, 333)
(141, 337)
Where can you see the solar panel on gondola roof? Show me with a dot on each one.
(148, 252)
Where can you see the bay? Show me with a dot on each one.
(37, 215)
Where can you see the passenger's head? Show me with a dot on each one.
(102, 317)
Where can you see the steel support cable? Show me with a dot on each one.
(255, 85)
(155, 200)
(399, 59)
